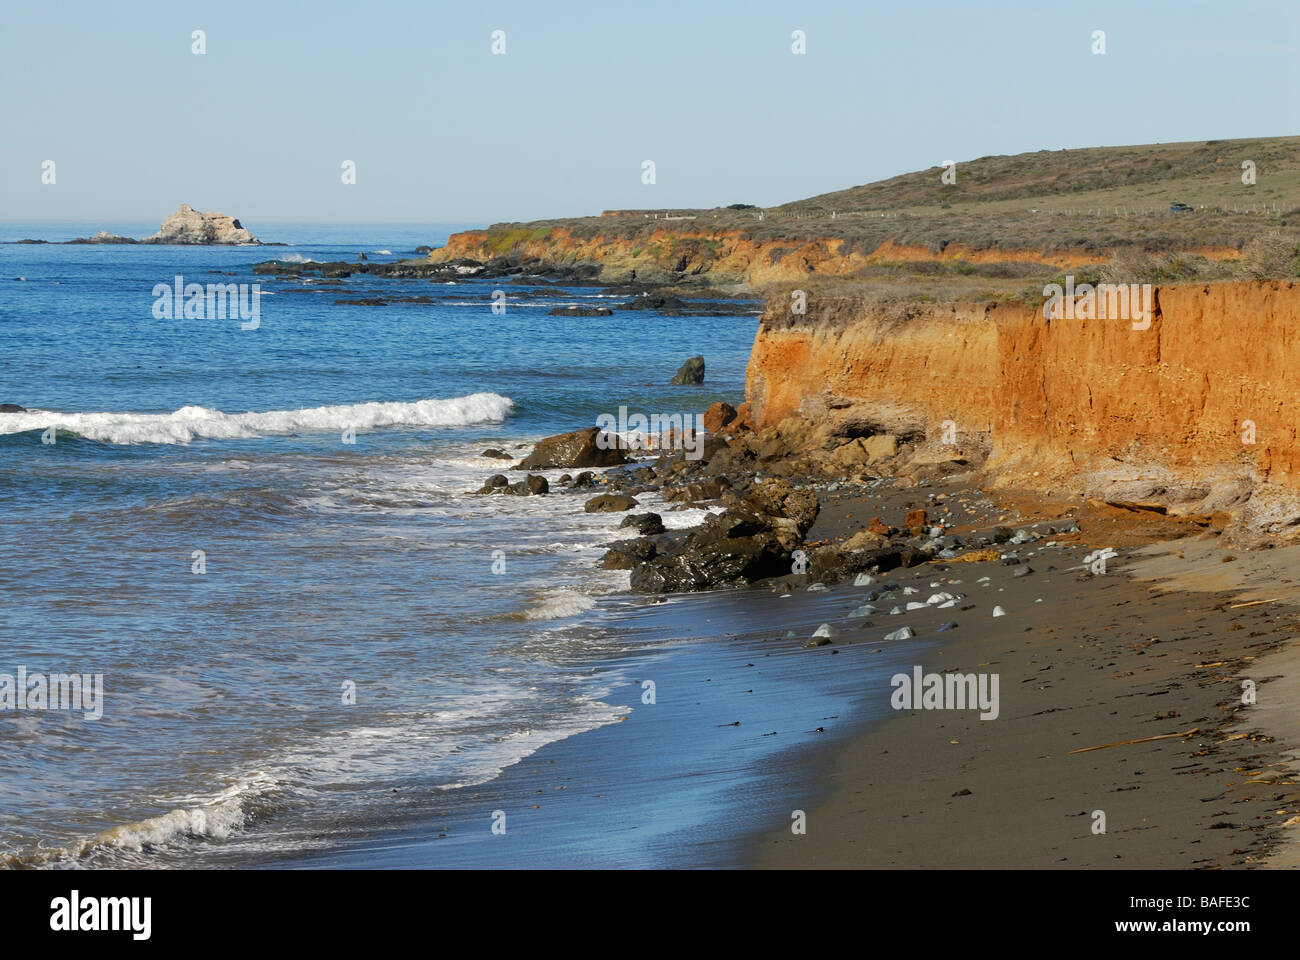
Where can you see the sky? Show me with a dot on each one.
(441, 129)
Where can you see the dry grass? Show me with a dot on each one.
(1104, 201)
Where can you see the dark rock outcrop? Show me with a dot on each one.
(690, 372)
(581, 312)
(610, 503)
(580, 448)
(645, 524)
(730, 548)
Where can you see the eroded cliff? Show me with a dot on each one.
(718, 257)
(1198, 411)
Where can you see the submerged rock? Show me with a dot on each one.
(690, 372)
(581, 312)
(496, 483)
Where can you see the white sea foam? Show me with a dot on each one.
(214, 817)
(193, 423)
(559, 604)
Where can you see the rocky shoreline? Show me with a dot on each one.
(914, 547)
(764, 491)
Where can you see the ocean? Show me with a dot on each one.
(266, 542)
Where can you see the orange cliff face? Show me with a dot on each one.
(720, 256)
(1167, 411)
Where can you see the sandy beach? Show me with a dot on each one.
(751, 724)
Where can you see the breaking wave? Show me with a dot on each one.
(201, 423)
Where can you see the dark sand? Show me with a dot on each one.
(751, 726)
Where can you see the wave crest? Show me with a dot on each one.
(201, 423)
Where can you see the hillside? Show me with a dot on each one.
(1006, 221)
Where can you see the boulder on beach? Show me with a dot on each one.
(589, 447)
(865, 540)
(610, 503)
(861, 451)
(645, 524)
(781, 498)
(532, 485)
(690, 372)
(496, 483)
(708, 558)
(717, 416)
(831, 563)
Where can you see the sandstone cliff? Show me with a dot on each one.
(1081, 406)
(718, 257)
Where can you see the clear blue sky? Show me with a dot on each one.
(442, 130)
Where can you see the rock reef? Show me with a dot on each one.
(187, 227)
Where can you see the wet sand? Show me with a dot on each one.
(751, 726)
(1100, 660)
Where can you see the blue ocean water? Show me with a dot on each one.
(202, 533)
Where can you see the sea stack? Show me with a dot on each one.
(189, 226)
